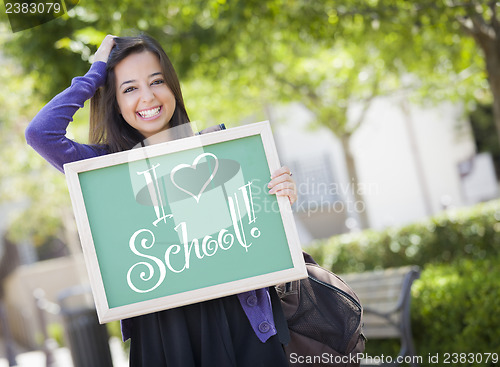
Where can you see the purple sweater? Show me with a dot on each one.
(47, 135)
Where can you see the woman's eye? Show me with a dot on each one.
(129, 89)
(159, 81)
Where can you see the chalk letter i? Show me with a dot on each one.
(155, 194)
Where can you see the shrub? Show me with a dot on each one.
(471, 233)
(455, 310)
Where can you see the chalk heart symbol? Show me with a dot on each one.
(194, 166)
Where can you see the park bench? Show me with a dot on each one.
(386, 296)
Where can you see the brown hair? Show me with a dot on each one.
(107, 126)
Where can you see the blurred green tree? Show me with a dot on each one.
(451, 48)
(235, 57)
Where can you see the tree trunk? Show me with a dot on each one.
(493, 70)
(359, 204)
(490, 44)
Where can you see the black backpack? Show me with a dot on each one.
(324, 318)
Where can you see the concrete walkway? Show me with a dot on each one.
(62, 356)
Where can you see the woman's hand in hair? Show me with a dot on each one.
(282, 184)
(104, 49)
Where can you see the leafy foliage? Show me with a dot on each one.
(454, 310)
(36, 192)
(470, 233)
(293, 49)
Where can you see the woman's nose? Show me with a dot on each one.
(147, 94)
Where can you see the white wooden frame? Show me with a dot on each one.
(105, 313)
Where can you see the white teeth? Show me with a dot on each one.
(149, 113)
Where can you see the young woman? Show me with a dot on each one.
(135, 96)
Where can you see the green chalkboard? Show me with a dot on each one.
(183, 221)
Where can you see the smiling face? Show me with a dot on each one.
(144, 98)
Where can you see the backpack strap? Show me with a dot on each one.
(279, 317)
(211, 129)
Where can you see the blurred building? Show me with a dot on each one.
(412, 161)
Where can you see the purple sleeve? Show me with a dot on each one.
(257, 307)
(47, 131)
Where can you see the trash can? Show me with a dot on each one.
(87, 340)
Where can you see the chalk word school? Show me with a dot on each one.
(144, 239)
